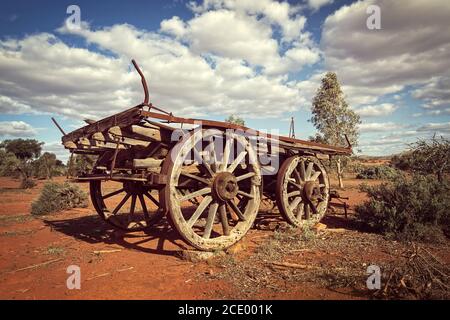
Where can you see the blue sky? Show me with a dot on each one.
(262, 60)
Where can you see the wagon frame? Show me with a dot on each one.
(207, 180)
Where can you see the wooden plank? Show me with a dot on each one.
(294, 143)
(154, 134)
(93, 143)
(122, 119)
(107, 137)
(147, 163)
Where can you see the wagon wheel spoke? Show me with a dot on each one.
(144, 207)
(300, 211)
(203, 162)
(224, 219)
(313, 207)
(200, 209)
(236, 209)
(309, 171)
(210, 220)
(121, 203)
(298, 186)
(245, 194)
(213, 154)
(226, 154)
(132, 209)
(294, 193)
(294, 204)
(315, 175)
(152, 199)
(302, 170)
(194, 194)
(236, 161)
(194, 177)
(297, 176)
(307, 211)
(112, 194)
(245, 176)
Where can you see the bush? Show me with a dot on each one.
(57, 197)
(80, 164)
(403, 161)
(27, 183)
(8, 164)
(408, 209)
(377, 172)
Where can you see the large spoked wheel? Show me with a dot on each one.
(128, 205)
(302, 191)
(213, 188)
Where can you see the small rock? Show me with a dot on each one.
(320, 226)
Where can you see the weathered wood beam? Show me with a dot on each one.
(147, 163)
(154, 134)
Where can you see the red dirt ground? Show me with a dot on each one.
(142, 266)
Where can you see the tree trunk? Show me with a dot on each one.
(339, 173)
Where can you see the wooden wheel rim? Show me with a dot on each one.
(116, 220)
(302, 172)
(249, 207)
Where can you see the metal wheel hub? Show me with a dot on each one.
(225, 186)
(310, 191)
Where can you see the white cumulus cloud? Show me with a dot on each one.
(16, 129)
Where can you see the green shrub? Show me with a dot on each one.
(377, 172)
(59, 196)
(27, 183)
(408, 209)
(403, 161)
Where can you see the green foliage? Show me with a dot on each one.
(334, 119)
(23, 149)
(354, 165)
(8, 164)
(45, 166)
(402, 161)
(81, 164)
(331, 114)
(408, 209)
(235, 119)
(431, 156)
(59, 196)
(426, 157)
(377, 172)
(27, 183)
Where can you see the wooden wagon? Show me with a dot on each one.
(208, 179)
